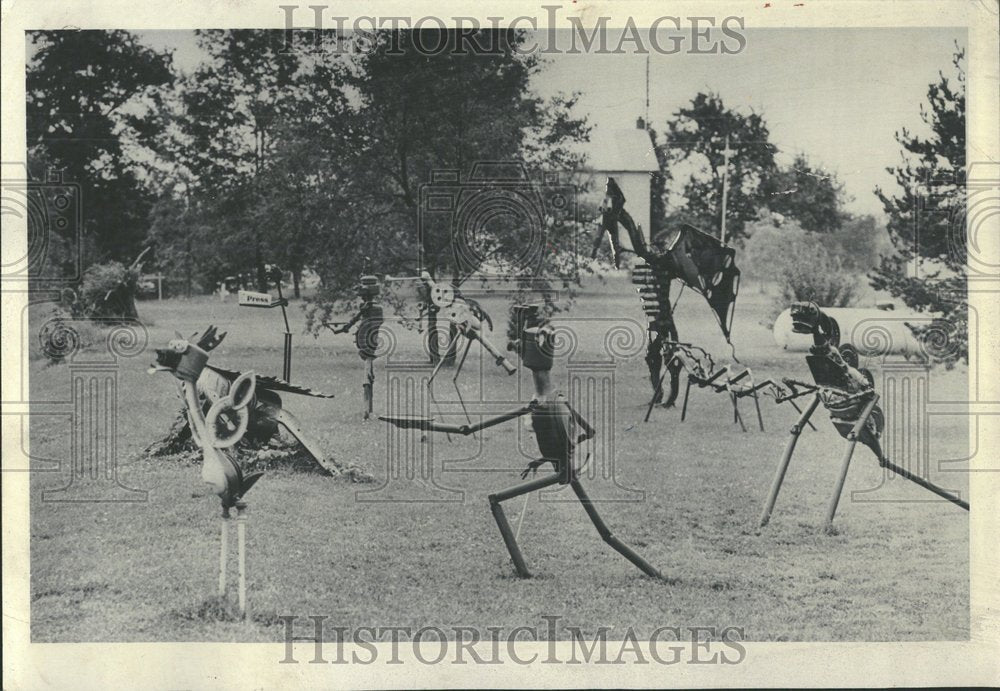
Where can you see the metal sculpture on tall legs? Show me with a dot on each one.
(699, 260)
(555, 424)
(847, 391)
(216, 433)
(366, 338)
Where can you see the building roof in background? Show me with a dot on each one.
(624, 150)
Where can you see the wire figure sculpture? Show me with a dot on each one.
(558, 430)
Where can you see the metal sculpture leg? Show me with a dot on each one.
(852, 441)
(943, 493)
(241, 555)
(454, 379)
(224, 553)
(799, 411)
(241, 550)
(508, 535)
(779, 476)
(687, 392)
(369, 387)
(608, 537)
(657, 396)
(756, 403)
(736, 412)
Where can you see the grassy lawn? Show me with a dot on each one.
(894, 570)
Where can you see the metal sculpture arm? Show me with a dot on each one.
(343, 327)
(429, 424)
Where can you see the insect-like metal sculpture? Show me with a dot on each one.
(558, 430)
(847, 391)
(366, 338)
(699, 260)
(702, 372)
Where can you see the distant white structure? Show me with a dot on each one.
(628, 156)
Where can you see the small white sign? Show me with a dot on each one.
(249, 298)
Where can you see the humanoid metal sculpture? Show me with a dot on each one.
(699, 260)
(366, 338)
(553, 420)
(847, 391)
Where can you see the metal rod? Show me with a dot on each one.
(797, 408)
(608, 537)
(241, 540)
(509, 540)
(687, 391)
(224, 552)
(852, 442)
(286, 369)
(926, 484)
(756, 402)
(520, 519)
(736, 412)
(656, 392)
(779, 476)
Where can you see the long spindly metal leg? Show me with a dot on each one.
(657, 392)
(779, 476)
(799, 410)
(454, 379)
(852, 441)
(608, 537)
(434, 372)
(224, 552)
(241, 551)
(756, 403)
(508, 535)
(684, 407)
(736, 412)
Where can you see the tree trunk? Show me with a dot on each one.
(296, 281)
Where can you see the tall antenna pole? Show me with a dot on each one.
(726, 153)
(647, 90)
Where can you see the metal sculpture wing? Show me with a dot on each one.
(705, 265)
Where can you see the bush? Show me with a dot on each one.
(108, 290)
(803, 266)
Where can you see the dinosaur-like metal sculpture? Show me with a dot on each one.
(697, 259)
(558, 430)
(847, 391)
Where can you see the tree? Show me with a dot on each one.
(89, 96)
(421, 113)
(926, 219)
(809, 195)
(697, 135)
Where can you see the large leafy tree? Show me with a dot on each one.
(89, 95)
(696, 136)
(806, 193)
(420, 113)
(926, 218)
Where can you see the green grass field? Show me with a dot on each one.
(893, 570)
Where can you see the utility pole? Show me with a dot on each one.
(726, 153)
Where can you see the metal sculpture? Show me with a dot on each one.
(219, 417)
(366, 338)
(702, 372)
(249, 298)
(554, 422)
(699, 260)
(847, 391)
(466, 319)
